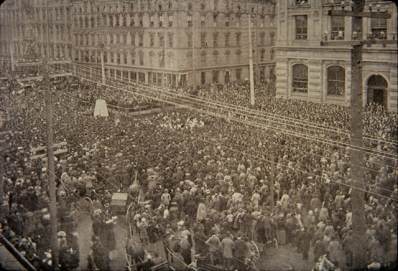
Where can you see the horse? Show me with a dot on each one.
(134, 188)
(135, 252)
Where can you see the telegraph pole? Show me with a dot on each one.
(252, 100)
(356, 129)
(193, 50)
(50, 156)
(273, 144)
(102, 64)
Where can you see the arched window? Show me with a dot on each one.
(300, 78)
(336, 80)
(377, 90)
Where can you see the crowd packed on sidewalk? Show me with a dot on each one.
(212, 174)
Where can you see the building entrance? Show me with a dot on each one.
(377, 90)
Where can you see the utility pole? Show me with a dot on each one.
(50, 155)
(102, 64)
(356, 129)
(273, 144)
(164, 54)
(193, 50)
(252, 100)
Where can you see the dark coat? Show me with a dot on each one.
(240, 249)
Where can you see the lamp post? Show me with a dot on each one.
(252, 100)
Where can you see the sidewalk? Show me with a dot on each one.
(8, 261)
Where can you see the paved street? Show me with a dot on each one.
(285, 259)
(8, 261)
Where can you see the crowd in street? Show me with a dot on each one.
(211, 174)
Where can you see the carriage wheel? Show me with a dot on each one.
(256, 252)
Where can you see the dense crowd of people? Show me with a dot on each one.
(212, 174)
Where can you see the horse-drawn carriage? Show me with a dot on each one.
(202, 262)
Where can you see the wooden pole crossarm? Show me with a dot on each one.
(383, 15)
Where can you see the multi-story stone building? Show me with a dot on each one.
(175, 42)
(172, 42)
(28, 36)
(314, 64)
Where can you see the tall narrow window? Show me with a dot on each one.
(141, 39)
(262, 57)
(161, 39)
(227, 35)
(171, 38)
(125, 58)
(272, 36)
(379, 28)
(237, 21)
(160, 20)
(189, 38)
(301, 27)
(337, 28)
(132, 38)
(152, 24)
(132, 21)
(203, 39)
(215, 77)
(238, 38)
(190, 21)
(336, 80)
(152, 38)
(238, 73)
(203, 59)
(227, 21)
(215, 39)
(170, 20)
(214, 20)
(300, 78)
(141, 59)
(202, 21)
(262, 40)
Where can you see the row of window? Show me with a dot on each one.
(131, 20)
(335, 80)
(97, 39)
(378, 28)
(130, 7)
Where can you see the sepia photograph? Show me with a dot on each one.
(198, 135)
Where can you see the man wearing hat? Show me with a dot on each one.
(240, 252)
(200, 239)
(228, 247)
(214, 244)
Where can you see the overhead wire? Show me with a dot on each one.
(383, 164)
(185, 106)
(256, 112)
(232, 109)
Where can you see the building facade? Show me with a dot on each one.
(28, 36)
(162, 42)
(312, 62)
